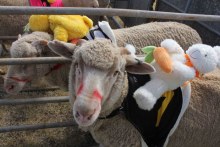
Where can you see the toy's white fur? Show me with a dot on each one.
(203, 57)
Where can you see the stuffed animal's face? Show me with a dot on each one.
(203, 57)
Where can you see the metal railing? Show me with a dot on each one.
(18, 10)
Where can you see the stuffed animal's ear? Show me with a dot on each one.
(217, 50)
(40, 45)
(62, 48)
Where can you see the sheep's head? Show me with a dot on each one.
(27, 46)
(204, 57)
(97, 75)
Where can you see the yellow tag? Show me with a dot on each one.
(168, 97)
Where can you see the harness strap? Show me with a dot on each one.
(55, 67)
(19, 80)
(114, 113)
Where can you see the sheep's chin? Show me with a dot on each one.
(88, 122)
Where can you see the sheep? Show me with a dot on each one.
(14, 24)
(139, 36)
(33, 45)
(98, 84)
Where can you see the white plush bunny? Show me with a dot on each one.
(199, 59)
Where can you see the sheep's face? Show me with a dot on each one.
(97, 76)
(18, 75)
(203, 57)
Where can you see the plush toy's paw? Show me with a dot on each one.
(144, 99)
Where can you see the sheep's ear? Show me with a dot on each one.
(40, 45)
(62, 48)
(133, 64)
(217, 50)
(136, 66)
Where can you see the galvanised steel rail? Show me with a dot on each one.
(42, 100)
(34, 60)
(38, 60)
(8, 37)
(25, 10)
(37, 126)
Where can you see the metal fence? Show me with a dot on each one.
(16, 10)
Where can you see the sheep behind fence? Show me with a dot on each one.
(17, 10)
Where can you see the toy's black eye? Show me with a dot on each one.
(206, 55)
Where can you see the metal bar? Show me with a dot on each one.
(35, 89)
(118, 25)
(18, 10)
(37, 127)
(41, 100)
(8, 37)
(201, 23)
(173, 6)
(34, 60)
(187, 5)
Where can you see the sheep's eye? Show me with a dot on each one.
(116, 73)
(76, 65)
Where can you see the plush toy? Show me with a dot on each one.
(46, 3)
(64, 27)
(174, 68)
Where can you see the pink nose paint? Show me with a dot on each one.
(79, 91)
(96, 94)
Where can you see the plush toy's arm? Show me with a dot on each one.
(88, 21)
(60, 34)
(172, 46)
(147, 95)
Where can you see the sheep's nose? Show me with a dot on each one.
(9, 88)
(84, 115)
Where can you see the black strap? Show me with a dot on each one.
(47, 3)
(114, 113)
(91, 32)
